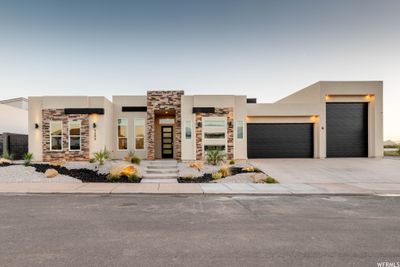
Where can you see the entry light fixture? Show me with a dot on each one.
(199, 124)
(230, 124)
(36, 126)
(94, 125)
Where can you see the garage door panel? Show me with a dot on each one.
(347, 129)
(280, 140)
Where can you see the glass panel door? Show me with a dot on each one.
(167, 147)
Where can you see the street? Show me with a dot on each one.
(178, 230)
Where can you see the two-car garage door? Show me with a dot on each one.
(280, 140)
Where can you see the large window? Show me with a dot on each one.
(188, 130)
(139, 133)
(74, 135)
(217, 147)
(214, 135)
(214, 122)
(122, 134)
(239, 129)
(56, 136)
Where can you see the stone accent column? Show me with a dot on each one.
(163, 100)
(219, 112)
(65, 154)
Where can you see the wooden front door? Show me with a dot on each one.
(167, 142)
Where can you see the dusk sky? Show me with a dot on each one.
(264, 49)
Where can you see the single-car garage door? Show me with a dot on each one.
(280, 140)
(347, 129)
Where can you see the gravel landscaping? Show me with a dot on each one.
(22, 174)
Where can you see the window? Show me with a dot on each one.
(216, 135)
(56, 135)
(122, 134)
(210, 122)
(139, 133)
(167, 121)
(188, 129)
(74, 128)
(239, 129)
(217, 147)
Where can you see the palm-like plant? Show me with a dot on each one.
(215, 157)
(28, 156)
(101, 156)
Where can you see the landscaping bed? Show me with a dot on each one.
(85, 175)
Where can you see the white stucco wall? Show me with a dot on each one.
(13, 120)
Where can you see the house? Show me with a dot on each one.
(326, 119)
(14, 127)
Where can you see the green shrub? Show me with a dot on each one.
(216, 175)
(215, 157)
(6, 155)
(28, 158)
(271, 180)
(132, 158)
(92, 160)
(101, 156)
(134, 178)
(225, 171)
(113, 178)
(231, 162)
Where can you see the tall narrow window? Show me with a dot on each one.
(122, 134)
(56, 135)
(74, 135)
(239, 129)
(139, 133)
(188, 129)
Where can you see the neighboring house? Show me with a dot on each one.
(326, 119)
(14, 127)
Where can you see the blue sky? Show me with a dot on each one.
(264, 49)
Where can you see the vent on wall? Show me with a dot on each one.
(251, 100)
(203, 110)
(134, 109)
(84, 111)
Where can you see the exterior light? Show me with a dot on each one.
(36, 126)
(199, 124)
(327, 97)
(230, 124)
(368, 97)
(94, 125)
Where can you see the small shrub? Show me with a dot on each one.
(113, 178)
(7, 155)
(271, 180)
(135, 160)
(215, 157)
(28, 158)
(216, 176)
(132, 158)
(92, 160)
(225, 171)
(101, 156)
(232, 162)
(134, 178)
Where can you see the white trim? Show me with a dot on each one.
(80, 136)
(51, 139)
(144, 133)
(127, 134)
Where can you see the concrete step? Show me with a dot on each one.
(160, 175)
(159, 181)
(163, 162)
(162, 166)
(161, 171)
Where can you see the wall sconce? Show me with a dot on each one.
(94, 125)
(230, 124)
(36, 126)
(199, 124)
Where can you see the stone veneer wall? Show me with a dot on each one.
(219, 112)
(65, 154)
(163, 100)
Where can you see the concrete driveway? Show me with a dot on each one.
(377, 175)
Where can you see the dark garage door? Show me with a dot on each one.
(280, 140)
(347, 129)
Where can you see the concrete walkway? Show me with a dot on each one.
(163, 188)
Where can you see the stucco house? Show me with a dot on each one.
(326, 119)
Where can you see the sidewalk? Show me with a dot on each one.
(229, 189)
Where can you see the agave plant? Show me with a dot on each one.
(28, 156)
(215, 157)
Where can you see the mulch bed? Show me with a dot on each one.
(206, 178)
(85, 175)
(5, 164)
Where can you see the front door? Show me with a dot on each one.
(167, 144)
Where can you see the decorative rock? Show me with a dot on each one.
(259, 177)
(5, 161)
(51, 173)
(123, 170)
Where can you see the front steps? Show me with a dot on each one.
(161, 171)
